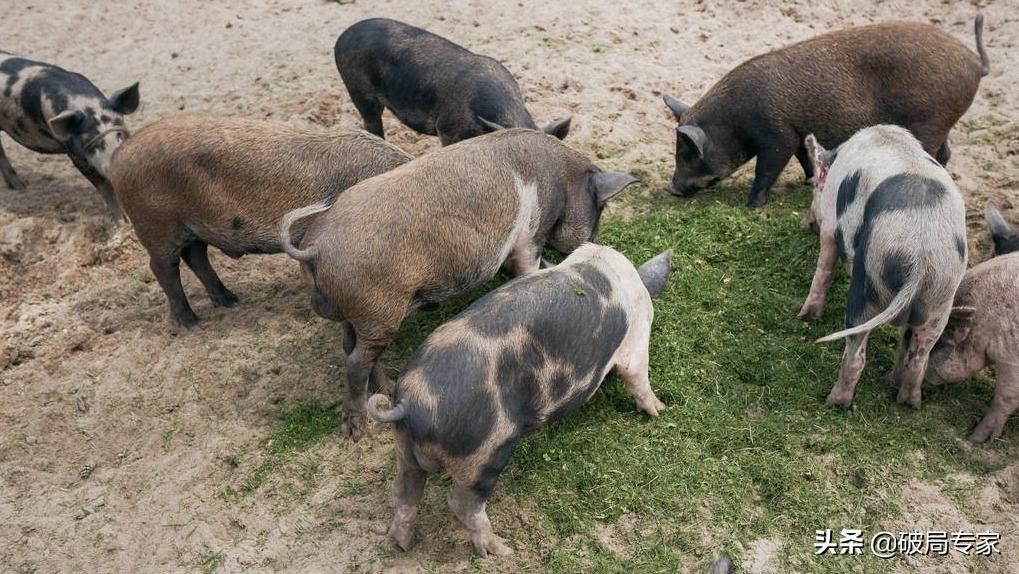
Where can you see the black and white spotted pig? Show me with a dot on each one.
(898, 221)
(983, 331)
(432, 85)
(51, 110)
(1006, 239)
(527, 353)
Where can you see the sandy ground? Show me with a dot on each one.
(91, 373)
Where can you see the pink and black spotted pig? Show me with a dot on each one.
(891, 212)
(527, 353)
(983, 331)
(51, 110)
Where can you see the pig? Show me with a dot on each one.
(909, 74)
(438, 227)
(982, 331)
(51, 110)
(432, 85)
(1006, 239)
(523, 355)
(896, 218)
(190, 181)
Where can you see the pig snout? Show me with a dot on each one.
(681, 186)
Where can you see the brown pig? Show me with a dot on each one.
(983, 331)
(520, 357)
(904, 73)
(438, 227)
(187, 182)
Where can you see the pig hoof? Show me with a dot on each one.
(810, 313)
(907, 398)
(352, 426)
(489, 544)
(188, 320)
(756, 201)
(839, 399)
(403, 535)
(653, 407)
(984, 433)
(224, 299)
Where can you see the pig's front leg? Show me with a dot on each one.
(11, 178)
(633, 367)
(814, 305)
(1006, 401)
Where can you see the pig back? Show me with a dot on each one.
(211, 172)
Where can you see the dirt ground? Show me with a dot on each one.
(92, 373)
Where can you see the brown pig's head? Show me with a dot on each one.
(586, 197)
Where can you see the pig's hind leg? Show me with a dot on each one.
(468, 498)
(196, 255)
(11, 178)
(803, 156)
(408, 489)
(1005, 402)
(915, 348)
(854, 359)
(370, 109)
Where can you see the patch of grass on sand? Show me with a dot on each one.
(746, 449)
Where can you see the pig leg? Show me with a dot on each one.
(469, 507)
(912, 364)
(378, 380)
(635, 375)
(803, 156)
(467, 500)
(11, 178)
(814, 305)
(770, 163)
(166, 268)
(1006, 401)
(408, 488)
(371, 112)
(196, 255)
(101, 184)
(371, 337)
(854, 358)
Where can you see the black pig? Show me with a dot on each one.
(434, 86)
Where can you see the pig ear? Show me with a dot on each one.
(815, 151)
(125, 101)
(655, 272)
(489, 125)
(694, 136)
(64, 123)
(675, 105)
(1001, 231)
(558, 128)
(960, 323)
(605, 184)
